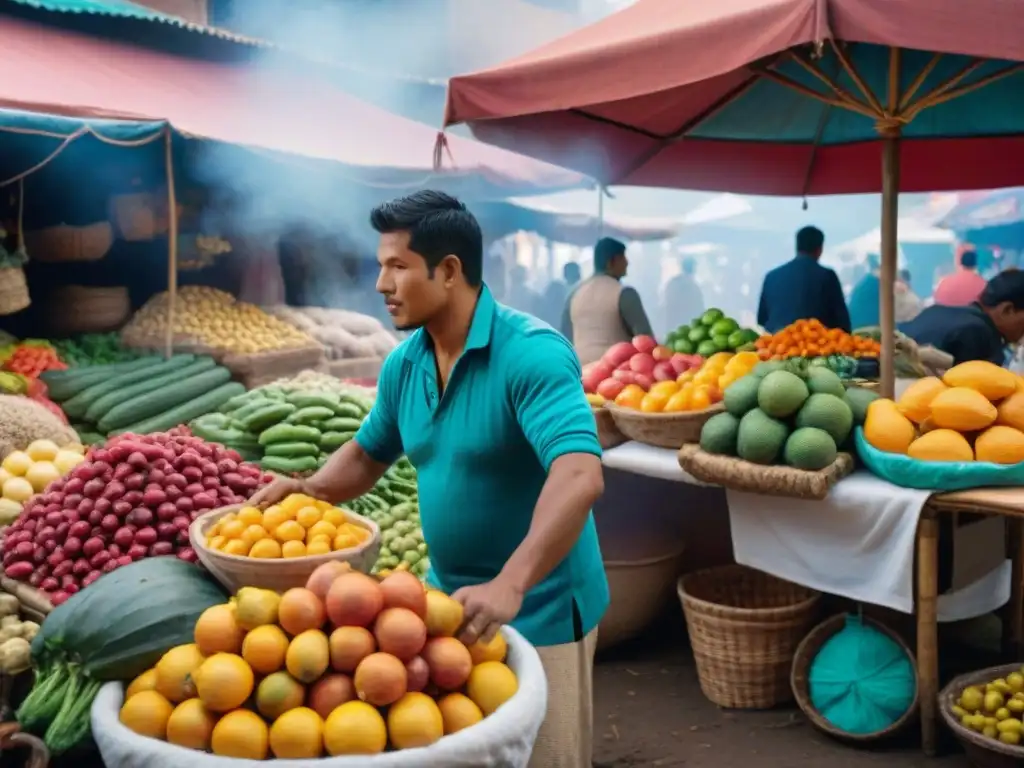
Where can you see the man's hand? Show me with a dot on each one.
(277, 491)
(486, 607)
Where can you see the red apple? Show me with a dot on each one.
(642, 362)
(660, 353)
(626, 377)
(643, 380)
(602, 369)
(619, 353)
(609, 388)
(664, 371)
(679, 363)
(624, 367)
(644, 343)
(591, 379)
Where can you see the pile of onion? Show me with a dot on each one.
(134, 497)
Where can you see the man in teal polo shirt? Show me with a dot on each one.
(488, 405)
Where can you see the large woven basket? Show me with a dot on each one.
(745, 627)
(14, 295)
(607, 433)
(739, 475)
(84, 309)
(805, 655)
(982, 752)
(65, 243)
(664, 430)
(235, 572)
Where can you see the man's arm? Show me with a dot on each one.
(555, 418)
(836, 303)
(631, 309)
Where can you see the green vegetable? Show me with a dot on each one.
(331, 441)
(266, 416)
(289, 466)
(342, 424)
(185, 412)
(310, 414)
(174, 391)
(351, 410)
(289, 433)
(113, 630)
(102, 406)
(314, 399)
(292, 450)
(77, 406)
(226, 436)
(74, 380)
(254, 404)
(235, 403)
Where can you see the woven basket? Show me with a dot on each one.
(739, 475)
(13, 290)
(805, 655)
(744, 628)
(664, 430)
(982, 752)
(11, 738)
(141, 215)
(75, 309)
(235, 572)
(607, 433)
(64, 243)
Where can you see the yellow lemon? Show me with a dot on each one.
(266, 549)
(308, 516)
(293, 549)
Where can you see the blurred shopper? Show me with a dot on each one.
(864, 299)
(683, 299)
(557, 293)
(907, 304)
(518, 294)
(963, 287)
(601, 311)
(802, 289)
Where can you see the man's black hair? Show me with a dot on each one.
(1006, 286)
(571, 271)
(810, 240)
(606, 249)
(969, 259)
(439, 225)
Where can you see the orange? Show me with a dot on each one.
(289, 530)
(265, 648)
(414, 721)
(224, 682)
(146, 714)
(701, 399)
(240, 734)
(680, 401)
(191, 725)
(293, 549)
(630, 396)
(490, 685)
(144, 682)
(174, 672)
(322, 528)
(686, 376)
(458, 711)
(492, 651)
(253, 533)
(355, 728)
(667, 387)
(653, 402)
(217, 631)
(297, 734)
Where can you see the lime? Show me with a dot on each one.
(671, 337)
(724, 327)
(698, 334)
(711, 317)
(721, 342)
(682, 332)
(737, 339)
(683, 346)
(707, 348)
(750, 335)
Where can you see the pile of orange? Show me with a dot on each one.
(692, 390)
(809, 338)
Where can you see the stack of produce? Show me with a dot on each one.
(30, 358)
(316, 381)
(345, 334)
(909, 360)
(297, 527)
(114, 630)
(693, 390)
(149, 394)
(344, 666)
(811, 339)
(995, 709)
(641, 362)
(786, 414)
(15, 636)
(26, 473)
(710, 333)
(133, 498)
(213, 319)
(975, 412)
(94, 349)
(24, 420)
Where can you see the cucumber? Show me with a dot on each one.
(292, 450)
(185, 412)
(76, 407)
(173, 391)
(95, 412)
(75, 380)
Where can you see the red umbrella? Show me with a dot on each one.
(785, 97)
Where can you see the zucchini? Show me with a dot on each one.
(292, 450)
(185, 412)
(287, 465)
(77, 406)
(95, 412)
(174, 390)
(75, 380)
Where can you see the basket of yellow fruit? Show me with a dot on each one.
(279, 547)
(985, 710)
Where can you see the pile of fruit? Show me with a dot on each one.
(693, 390)
(298, 526)
(641, 362)
(782, 413)
(995, 709)
(26, 473)
(216, 320)
(343, 666)
(94, 349)
(811, 339)
(710, 333)
(975, 412)
(133, 498)
(149, 394)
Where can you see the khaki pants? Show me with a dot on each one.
(566, 736)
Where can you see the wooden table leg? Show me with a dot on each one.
(1013, 615)
(926, 605)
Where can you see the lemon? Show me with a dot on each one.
(972, 699)
(308, 516)
(266, 548)
(293, 549)
(289, 530)
(250, 515)
(233, 530)
(236, 547)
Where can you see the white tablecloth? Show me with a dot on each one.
(858, 543)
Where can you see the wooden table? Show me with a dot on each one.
(1004, 502)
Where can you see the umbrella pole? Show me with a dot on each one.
(172, 242)
(890, 250)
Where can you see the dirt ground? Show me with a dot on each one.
(649, 711)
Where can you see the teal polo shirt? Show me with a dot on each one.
(514, 403)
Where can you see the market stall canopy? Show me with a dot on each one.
(582, 228)
(761, 97)
(1000, 208)
(67, 74)
(909, 230)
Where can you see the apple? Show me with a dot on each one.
(624, 367)
(642, 362)
(644, 343)
(609, 388)
(660, 353)
(619, 353)
(679, 363)
(626, 377)
(602, 369)
(664, 371)
(643, 380)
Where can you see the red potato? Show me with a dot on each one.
(644, 343)
(642, 362)
(679, 364)
(609, 388)
(619, 353)
(664, 371)
(626, 377)
(643, 381)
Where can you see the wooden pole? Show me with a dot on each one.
(927, 627)
(172, 242)
(890, 255)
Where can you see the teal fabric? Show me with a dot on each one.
(936, 475)
(482, 450)
(120, 8)
(862, 681)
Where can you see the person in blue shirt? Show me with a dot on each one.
(487, 403)
(802, 289)
(865, 302)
